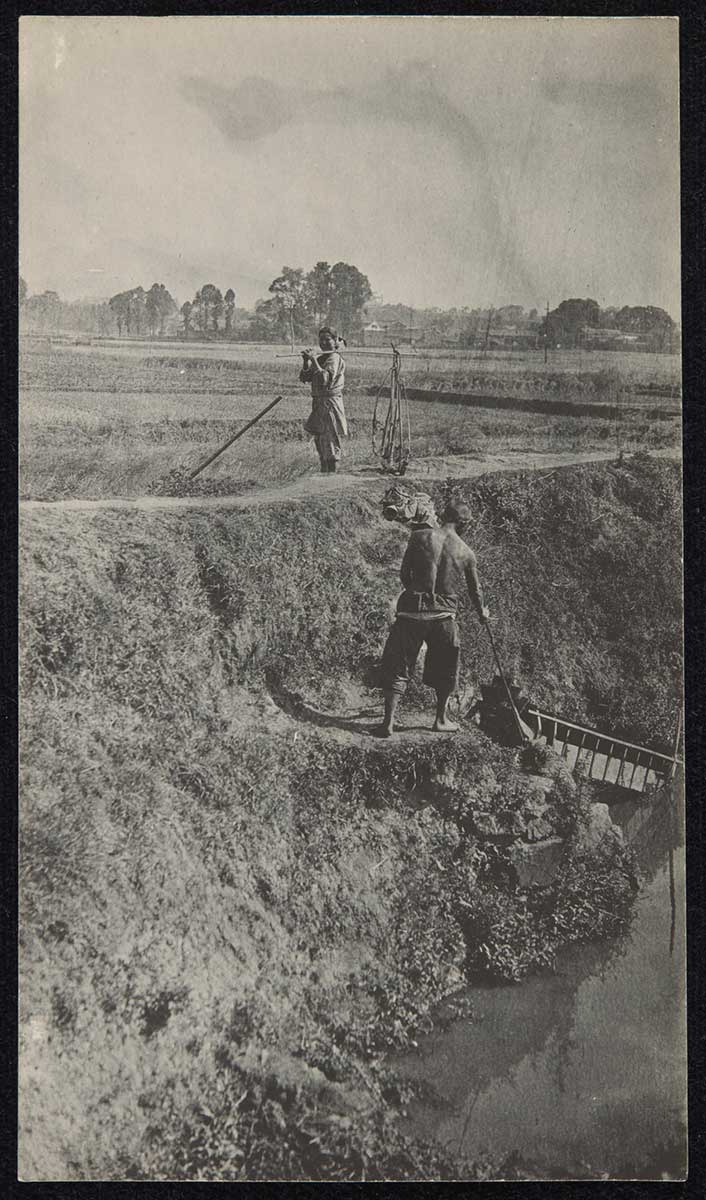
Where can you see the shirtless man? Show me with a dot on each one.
(436, 568)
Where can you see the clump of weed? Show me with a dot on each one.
(250, 1125)
(178, 482)
(511, 932)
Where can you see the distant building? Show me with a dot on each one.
(375, 334)
(502, 337)
(613, 339)
(590, 334)
(435, 339)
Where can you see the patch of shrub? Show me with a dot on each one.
(510, 933)
(250, 1126)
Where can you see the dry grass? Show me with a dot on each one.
(226, 911)
(110, 421)
(635, 368)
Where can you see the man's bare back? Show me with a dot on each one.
(436, 567)
(438, 562)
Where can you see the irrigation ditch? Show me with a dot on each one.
(532, 1078)
(237, 906)
(626, 406)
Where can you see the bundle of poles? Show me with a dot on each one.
(392, 435)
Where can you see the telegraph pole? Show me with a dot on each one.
(546, 332)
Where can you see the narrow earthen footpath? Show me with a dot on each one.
(421, 471)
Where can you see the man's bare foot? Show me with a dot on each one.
(445, 726)
(381, 731)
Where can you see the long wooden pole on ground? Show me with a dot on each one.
(526, 734)
(232, 439)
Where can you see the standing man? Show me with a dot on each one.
(437, 567)
(327, 421)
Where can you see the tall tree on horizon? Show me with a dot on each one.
(198, 311)
(137, 309)
(350, 292)
(289, 308)
(119, 306)
(159, 305)
(229, 299)
(301, 303)
(563, 325)
(44, 310)
(208, 303)
(318, 293)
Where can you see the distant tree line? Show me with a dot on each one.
(137, 311)
(208, 308)
(46, 312)
(575, 323)
(463, 325)
(134, 312)
(300, 302)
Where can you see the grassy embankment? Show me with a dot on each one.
(229, 913)
(96, 424)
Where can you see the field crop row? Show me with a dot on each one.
(101, 424)
(636, 367)
(222, 369)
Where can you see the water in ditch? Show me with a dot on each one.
(580, 1073)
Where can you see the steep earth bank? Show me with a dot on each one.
(230, 911)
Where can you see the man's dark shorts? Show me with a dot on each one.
(404, 642)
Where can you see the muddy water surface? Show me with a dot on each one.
(581, 1073)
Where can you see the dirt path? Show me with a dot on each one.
(291, 715)
(421, 471)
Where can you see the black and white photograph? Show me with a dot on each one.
(351, 765)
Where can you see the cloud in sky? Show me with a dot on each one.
(636, 99)
(455, 161)
(243, 113)
(258, 107)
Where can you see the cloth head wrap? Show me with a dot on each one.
(409, 508)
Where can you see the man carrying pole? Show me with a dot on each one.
(327, 420)
(437, 567)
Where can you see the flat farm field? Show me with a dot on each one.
(112, 419)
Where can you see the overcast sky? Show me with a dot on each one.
(454, 160)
